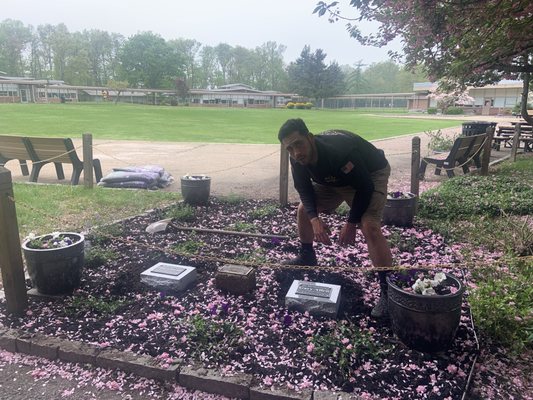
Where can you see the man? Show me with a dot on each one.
(330, 168)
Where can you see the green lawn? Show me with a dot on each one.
(192, 124)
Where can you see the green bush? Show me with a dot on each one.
(465, 196)
(502, 303)
(96, 256)
(439, 142)
(432, 110)
(454, 111)
(181, 213)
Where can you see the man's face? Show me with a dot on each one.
(300, 148)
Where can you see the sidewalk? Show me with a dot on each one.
(247, 170)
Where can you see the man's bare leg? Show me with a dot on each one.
(306, 254)
(380, 255)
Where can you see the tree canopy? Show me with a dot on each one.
(468, 42)
(309, 76)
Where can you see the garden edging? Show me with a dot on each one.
(241, 386)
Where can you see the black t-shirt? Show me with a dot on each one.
(344, 159)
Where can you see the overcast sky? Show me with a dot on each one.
(247, 23)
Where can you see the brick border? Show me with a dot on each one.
(240, 386)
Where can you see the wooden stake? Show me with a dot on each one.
(10, 252)
(87, 140)
(516, 141)
(284, 176)
(415, 165)
(487, 148)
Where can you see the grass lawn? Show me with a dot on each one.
(195, 124)
(47, 208)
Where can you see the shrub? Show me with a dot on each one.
(454, 111)
(465, 196)
(502, 303)
(96, 256)
(290, 105)
(432, 110)
(439, 142)
(265, 211)
(181, 213)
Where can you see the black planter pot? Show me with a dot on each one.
(195, 189)
(425, 323)
(56, 270)
(400, 212)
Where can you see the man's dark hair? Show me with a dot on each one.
(292, 125)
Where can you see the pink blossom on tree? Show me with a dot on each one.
(469, 42)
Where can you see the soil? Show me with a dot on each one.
(255, 333)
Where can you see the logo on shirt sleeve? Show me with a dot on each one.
(347, 168)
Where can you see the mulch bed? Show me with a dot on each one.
(255, 333)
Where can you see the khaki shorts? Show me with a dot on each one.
(328, 198)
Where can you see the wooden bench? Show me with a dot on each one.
(42, 151)
(14, 148)
(464, 150)
(505, 135)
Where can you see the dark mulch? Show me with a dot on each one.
(255, 333)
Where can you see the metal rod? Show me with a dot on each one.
(222, 232)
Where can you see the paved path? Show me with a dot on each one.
(248, 170)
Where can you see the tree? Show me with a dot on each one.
(14, 38)
(119, 86)
(468, 42)
(188, 49)
(271, 61)
(148, 60)
(310, 77)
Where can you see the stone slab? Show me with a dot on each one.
(78, 352)
(211, 382)
(38, 345)
(169, 277)
(34, 294)
(8, 339)
(328, 395)
(315, 297)
(256, 393)
(145, 366)
(235, 279)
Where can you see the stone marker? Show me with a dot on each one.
(236, 279)
(315, 297)
(169, 277)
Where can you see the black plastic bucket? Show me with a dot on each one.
(425, 323)
(195, 189)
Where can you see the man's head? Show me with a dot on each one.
(298, 141)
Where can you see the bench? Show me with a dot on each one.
(42, 151)
(14, 148)
(464, 149)
(505, 135)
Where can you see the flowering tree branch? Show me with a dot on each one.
(467, 42)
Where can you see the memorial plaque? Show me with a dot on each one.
(236, 279)
(314, 297)
(312, 289)
(169, 277)
(169, 269)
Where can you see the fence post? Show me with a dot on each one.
(487, 148)
(87, 141)
(284, 176)
(516, 141)
(10, 252)
(415, 165)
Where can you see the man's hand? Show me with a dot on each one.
(321, 231)
(347, 235)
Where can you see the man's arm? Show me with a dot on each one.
(357, 175)
(304, 187)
